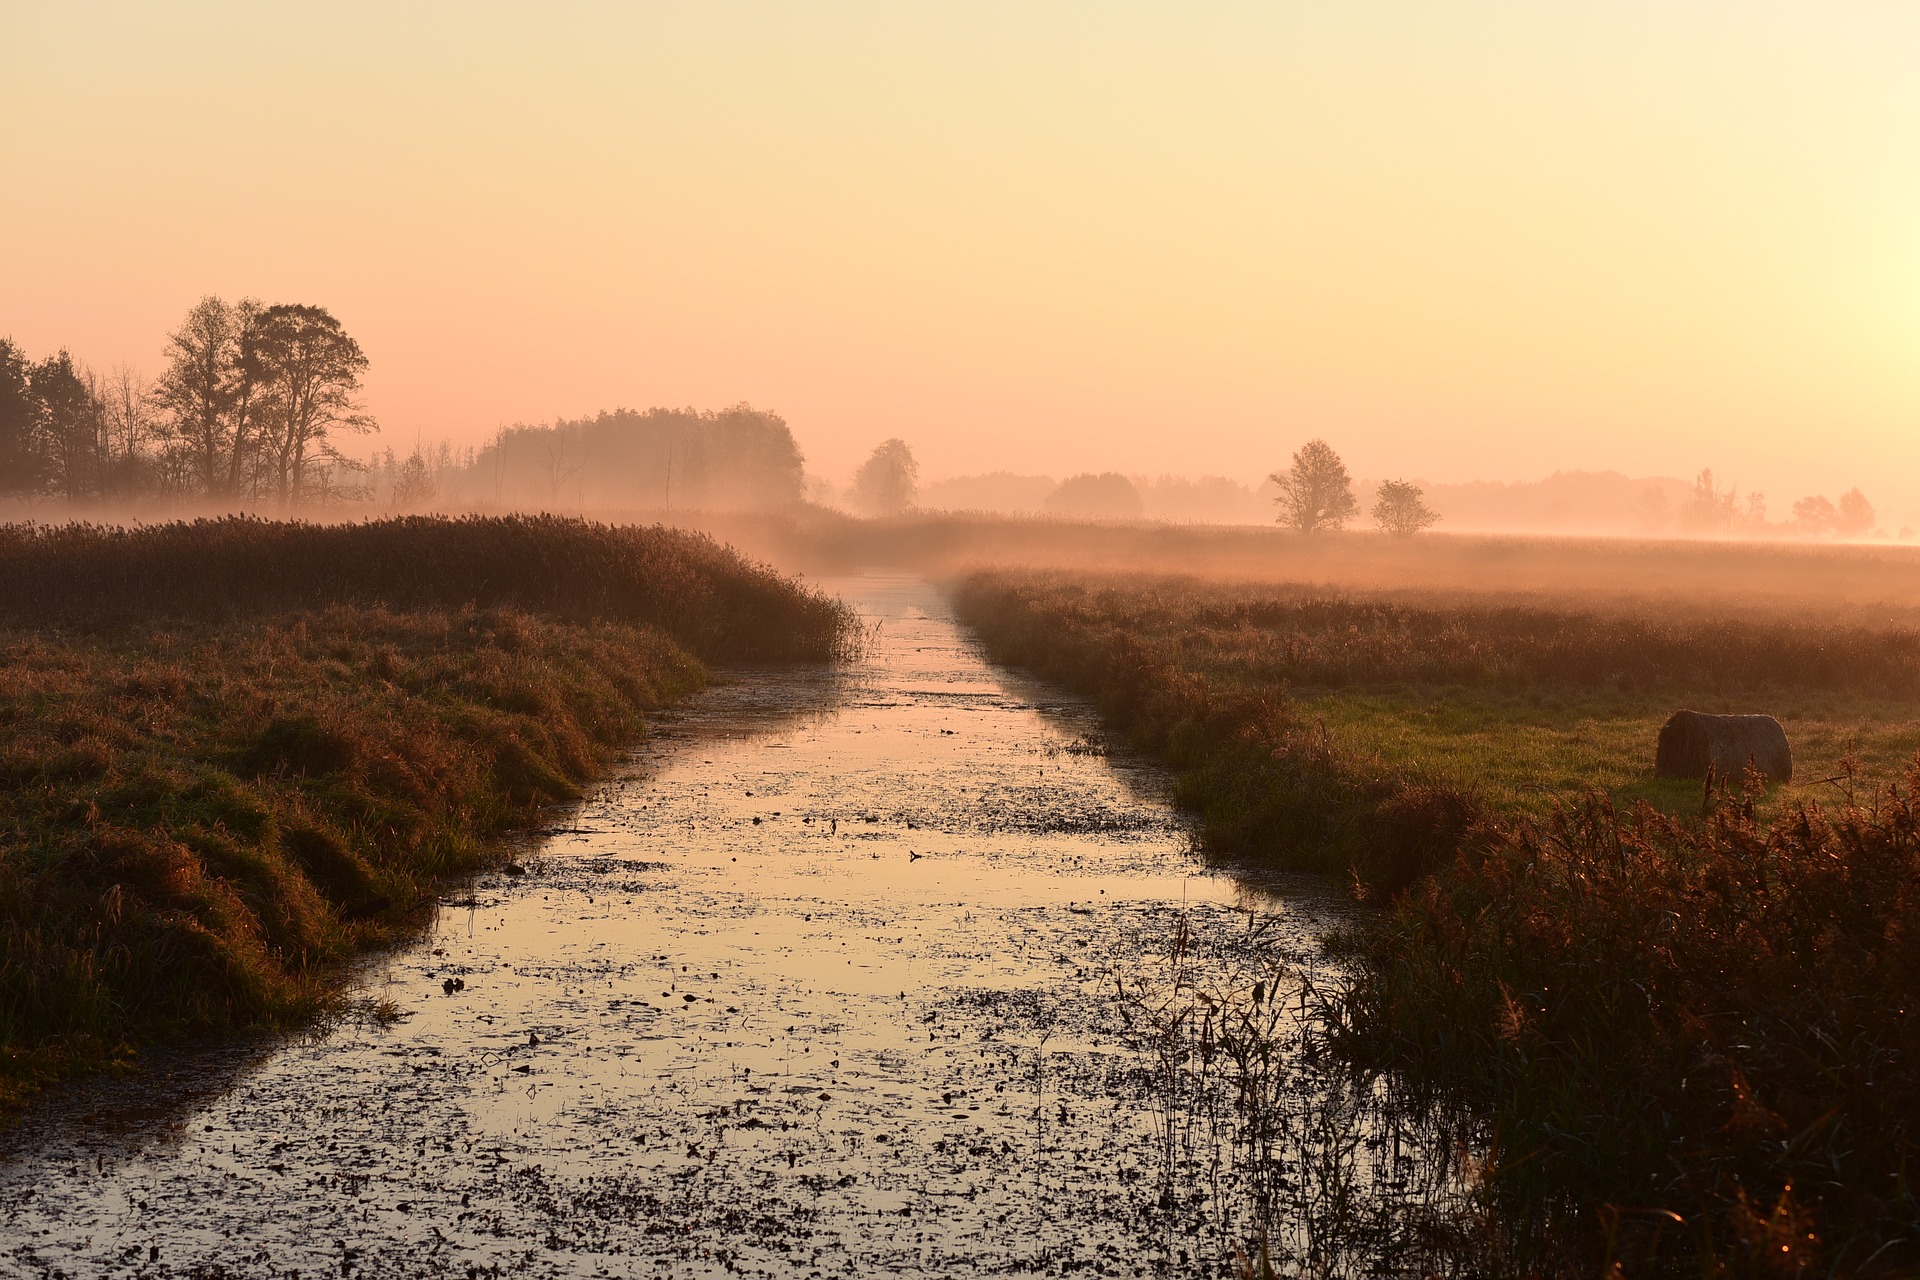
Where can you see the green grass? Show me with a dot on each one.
(1687, 1027)
(1525, 752)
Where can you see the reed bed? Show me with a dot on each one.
(1698, 1039)
(705, 596)
(1689, 1037)
(235, 753)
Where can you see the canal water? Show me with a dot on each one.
(879, 970)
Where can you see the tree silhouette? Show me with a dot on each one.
(1710, 509)
(739, 458)
(886, 482)
(71, 426)
(22, 461)
(1107, 496)
(208, 392)
(1815, 514)
(1315, 491)
(1855, 515)
(309, 370)
(1399, 508)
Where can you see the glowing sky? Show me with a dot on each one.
(1458, 240)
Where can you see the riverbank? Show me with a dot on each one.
(239, 752)
(1691, 1034)
(824, 979)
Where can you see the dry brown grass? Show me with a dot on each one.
(1664, 1018)
(234, 753)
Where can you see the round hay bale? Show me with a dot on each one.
(1690, 741)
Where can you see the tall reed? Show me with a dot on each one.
(1690, 1042)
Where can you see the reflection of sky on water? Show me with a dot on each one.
(821, 983)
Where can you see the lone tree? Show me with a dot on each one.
(885, 483)
(1315, 491)
(1399, 509)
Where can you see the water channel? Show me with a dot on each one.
(843, 973)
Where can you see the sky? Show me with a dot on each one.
(1458, 241)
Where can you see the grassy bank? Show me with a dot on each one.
(236, 752)
(1693, 1033)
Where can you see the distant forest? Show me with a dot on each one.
(254, 404)
(735, 458)
(249, 408)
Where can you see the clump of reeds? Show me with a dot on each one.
(210, 794)
(1715, 1019)
(1692, 1041)
(1276, 1158)
(705, 596)
(1276, 635)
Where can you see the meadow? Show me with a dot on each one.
(238, 752)
(1866, 584)
(1682, 1017)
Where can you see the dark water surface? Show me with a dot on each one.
(825, 982)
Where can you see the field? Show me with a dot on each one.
(1874, 586)
(1685, 1023)
(1517, 704)
(237, 752)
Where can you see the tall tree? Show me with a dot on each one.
(886, 482)
(22, 463)
(129, 429)
(70, 425)
(245, 396)
(309, 371)
(200, 391)
(1316, 494)
(1709, 509)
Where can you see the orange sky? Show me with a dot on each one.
(1457, 240)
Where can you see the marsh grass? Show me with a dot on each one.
(708, 598)
(1276, 1158)
(1712, 1019)
(1686, 1027)
(229, 763)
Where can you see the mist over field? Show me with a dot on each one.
(264, 408)
(1214, 641)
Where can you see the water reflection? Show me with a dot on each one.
(885, 969)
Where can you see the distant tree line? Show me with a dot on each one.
(667, 459)
(248, 408)
(1709, 509)
(1315, 495)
